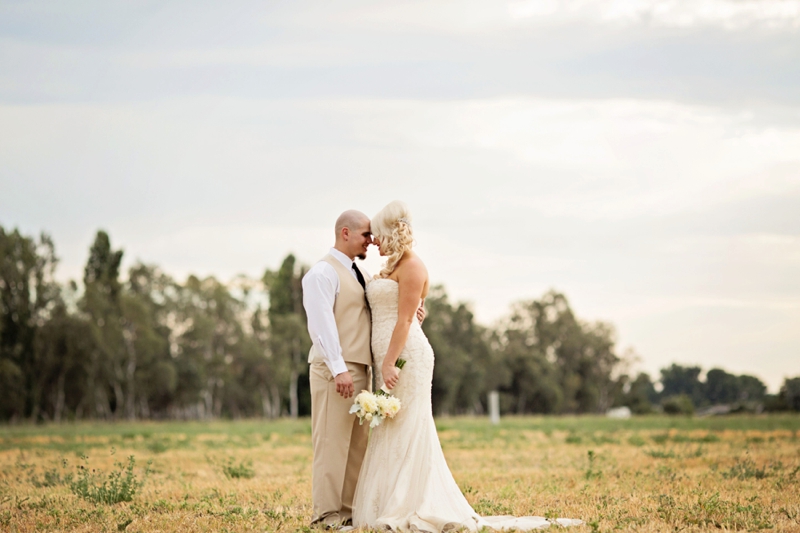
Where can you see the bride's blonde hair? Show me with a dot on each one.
(392, 225)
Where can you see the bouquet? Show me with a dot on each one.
(375, 408)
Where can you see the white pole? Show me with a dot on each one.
(494, 407)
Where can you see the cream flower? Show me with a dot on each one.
(368, 402)
(392, 407)
(383, 403)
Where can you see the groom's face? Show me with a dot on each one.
(359, 239)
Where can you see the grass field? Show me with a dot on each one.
(644, 474)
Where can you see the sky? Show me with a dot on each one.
(642, 157)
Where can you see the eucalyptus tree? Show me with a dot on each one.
(148, 310)
(62, 347)
(289, 340)
(679, 380)
(28, 294)
(463, 358)
(209, 338)
(557, 363)
(100, 303)
(641, 394)
(265, 372)
(790, 393)
(532, 384)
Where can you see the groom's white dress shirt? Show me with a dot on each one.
(320, 289)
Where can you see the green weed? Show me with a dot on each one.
(242, 470)
(722, 514)
(698, 452)
(660, 438)
(488, 507)
(637, 441)
(658, 454)
(603, 439)
(51, 477)
(666, 507)
(158, 445)
(591, 471)
(120, 485)
(746, 469)
(714, 512)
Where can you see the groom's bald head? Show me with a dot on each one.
(350, 219)
(353, 234)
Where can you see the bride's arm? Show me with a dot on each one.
(410, 286)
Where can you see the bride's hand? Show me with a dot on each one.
(390, 375)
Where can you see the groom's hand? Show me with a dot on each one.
(344, 384)
(421, 313)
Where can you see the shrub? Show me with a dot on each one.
(679, 404)
(120, 485)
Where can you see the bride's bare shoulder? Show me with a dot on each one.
(413, 265)
(412, 272)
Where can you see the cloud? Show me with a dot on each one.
(636, 156)
(544, 181)
(585, 159)
(642, 157)
(728, 14)
(484, 17)
(430, 50)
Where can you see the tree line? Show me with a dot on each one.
(142, 345)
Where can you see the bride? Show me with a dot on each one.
(405, 484)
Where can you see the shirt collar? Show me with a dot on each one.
(343, 259)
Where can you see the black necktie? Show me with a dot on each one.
(359, 277)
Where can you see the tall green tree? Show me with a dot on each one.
(209, 348)
(721, 387)
(264, 372)
(62, 347)
(28, 294)
(677, 380)
(641, 394)
(289, 340)
(557, 362)
(148, 310)
(102, 304)
(751, 388)
(534, 384)
(463, 358)
(790, 393)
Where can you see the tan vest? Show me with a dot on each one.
(351, 312)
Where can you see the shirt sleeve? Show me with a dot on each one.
(319, 295)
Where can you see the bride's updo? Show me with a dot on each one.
(392, 226)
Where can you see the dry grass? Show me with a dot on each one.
(647, 474)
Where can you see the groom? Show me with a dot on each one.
(341, 363)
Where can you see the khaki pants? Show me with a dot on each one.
(339, 443)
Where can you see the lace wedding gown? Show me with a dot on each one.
(405, 484)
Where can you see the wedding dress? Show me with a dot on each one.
(405, 483)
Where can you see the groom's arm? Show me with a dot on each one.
(319, 294)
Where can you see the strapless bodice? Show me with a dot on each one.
(382, 294)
